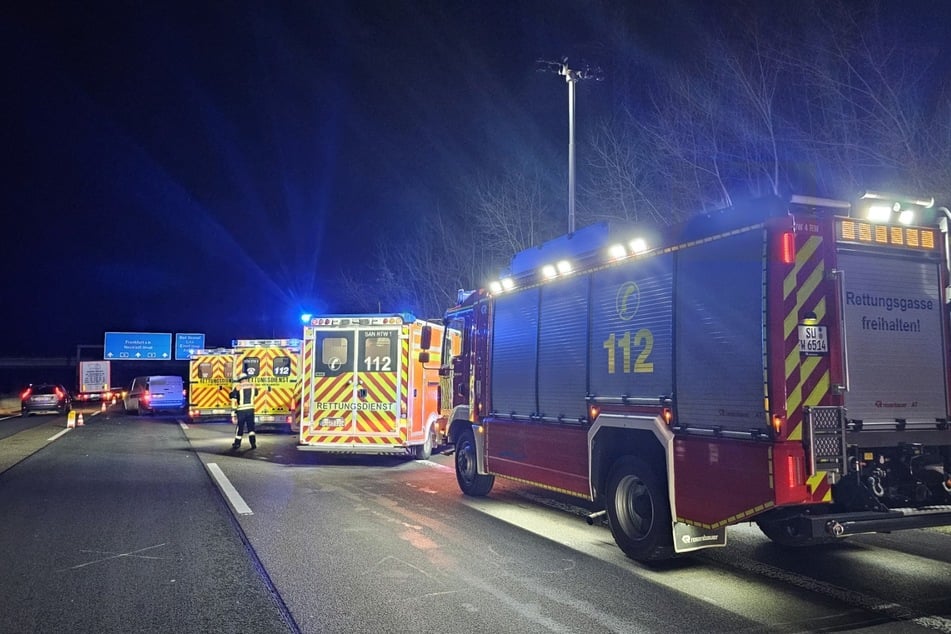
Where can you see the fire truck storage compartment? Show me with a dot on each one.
(894, 338)
(721, 333)
(562, 337)
(610, 334)
(631, 345)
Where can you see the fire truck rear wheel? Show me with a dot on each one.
(639, 511)
(470, 480)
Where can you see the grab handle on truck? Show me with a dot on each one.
(839, 276)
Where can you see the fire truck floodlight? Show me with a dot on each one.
(549, 271)
(878, 213)
(564, 267)
(503, 285)
(638, 245)
(906, 216)
(617, 251)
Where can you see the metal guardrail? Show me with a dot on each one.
(37, 362)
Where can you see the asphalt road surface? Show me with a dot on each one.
(131, 524)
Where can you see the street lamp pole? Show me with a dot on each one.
(572, 76)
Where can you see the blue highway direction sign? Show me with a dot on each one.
(186, 343)
(138, 346)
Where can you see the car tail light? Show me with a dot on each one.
(59, 394)
(26, 394)
(144, 397)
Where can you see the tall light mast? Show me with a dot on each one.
(572, 76)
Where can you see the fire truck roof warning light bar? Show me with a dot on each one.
(565, 266)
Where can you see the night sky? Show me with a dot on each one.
(214, 167)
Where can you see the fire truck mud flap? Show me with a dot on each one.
(688, 538)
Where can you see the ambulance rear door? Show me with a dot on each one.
(210, 380)
(355, 388)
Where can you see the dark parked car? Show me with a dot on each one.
(45, 398)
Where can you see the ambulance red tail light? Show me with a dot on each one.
(788, 248)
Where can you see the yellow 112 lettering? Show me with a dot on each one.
(643, 341)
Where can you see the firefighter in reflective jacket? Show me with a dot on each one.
(242, 410)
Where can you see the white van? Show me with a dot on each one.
(150, 394)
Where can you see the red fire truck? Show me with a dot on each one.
(785, 363)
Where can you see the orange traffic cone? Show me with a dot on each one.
(79, 420)
(71, 420)
(103, 408)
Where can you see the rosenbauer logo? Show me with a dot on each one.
(693, 539)
(893, 404)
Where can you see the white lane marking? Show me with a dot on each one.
(55, 436)
(556, 526)
(435, 465)
(182, 425)
(228, 489)
(895, 611)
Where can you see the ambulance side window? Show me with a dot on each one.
(282, 366)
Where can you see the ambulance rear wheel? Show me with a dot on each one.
(470, 480)
(639, 510)
(425, 450)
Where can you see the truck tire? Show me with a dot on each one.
(638, 509)
(470, 480)
(425, 450)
